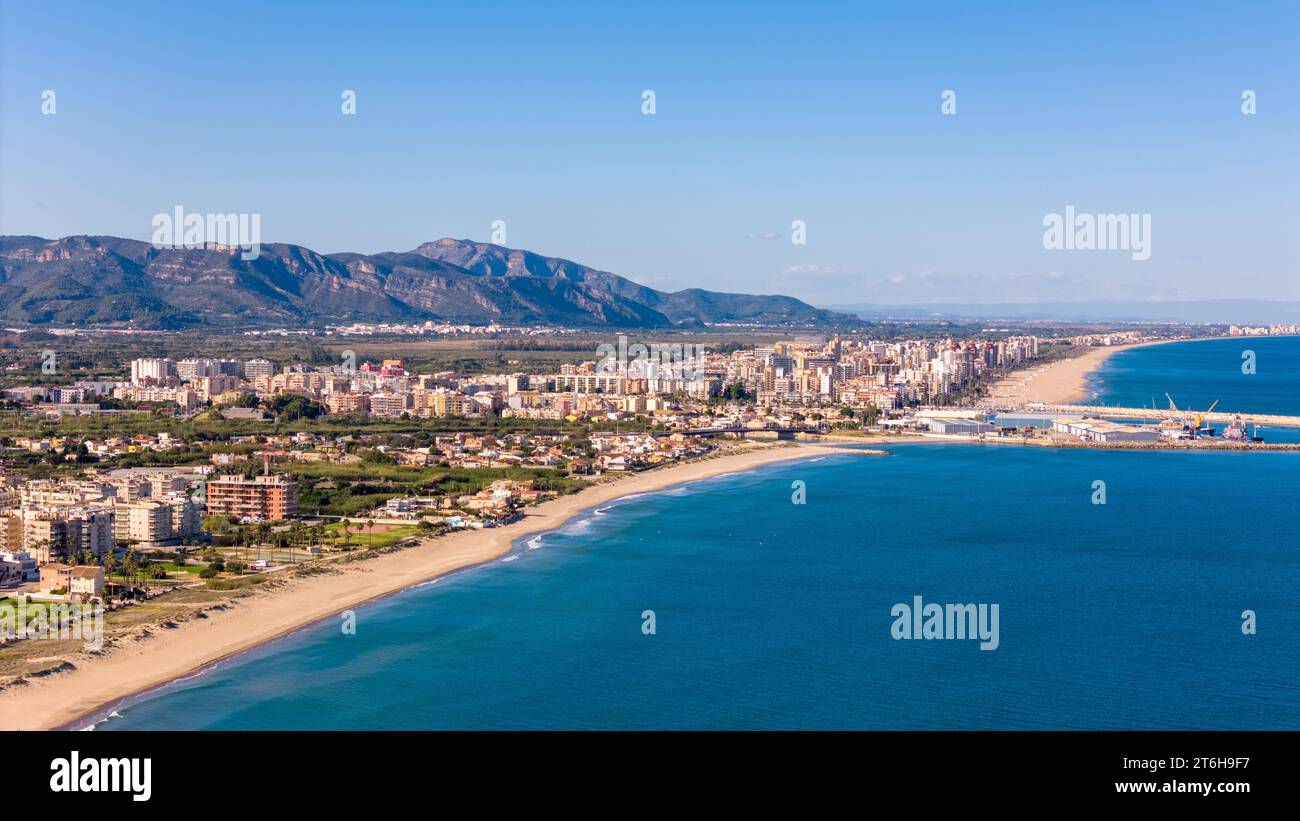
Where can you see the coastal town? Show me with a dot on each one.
(186, 484)
(145, 511)
(262, 481)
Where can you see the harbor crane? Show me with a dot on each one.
(1200, 417)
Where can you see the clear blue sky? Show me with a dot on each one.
(531, 113)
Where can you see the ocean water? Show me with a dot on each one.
(770, 614)
(1196, 374)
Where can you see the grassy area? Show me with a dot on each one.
(172, 567)
(237, 582)
(352, 490)
(205, 428)
(383, 535)
(13, 603)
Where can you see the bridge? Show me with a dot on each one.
(781, 433)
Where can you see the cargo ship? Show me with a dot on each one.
(1236, 432)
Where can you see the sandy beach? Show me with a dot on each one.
(1062, 382)
(129, 668)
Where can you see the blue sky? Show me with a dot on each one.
(766, 113)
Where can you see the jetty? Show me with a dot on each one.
(1110, 411)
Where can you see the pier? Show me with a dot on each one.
(1263, 419)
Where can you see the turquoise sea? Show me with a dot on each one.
(770, 614)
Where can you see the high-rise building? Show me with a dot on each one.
(155, 369)
(267, 498)
(254, 368)
(517, 382)
(148, 522)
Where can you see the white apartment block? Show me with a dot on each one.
(156, 369)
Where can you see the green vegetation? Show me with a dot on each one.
(360, 534)
(237, 583)
(172, 567)
(349, 490)
(12, 604)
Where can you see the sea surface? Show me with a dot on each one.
(1197, 374)
(771, 614)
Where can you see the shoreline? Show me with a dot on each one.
(1064, 382)
(135, 667)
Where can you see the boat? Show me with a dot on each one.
(1236, 431)
(1187, 424)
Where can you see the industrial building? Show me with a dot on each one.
(959, 427)
(1099, 430)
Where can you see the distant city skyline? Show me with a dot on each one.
(763, 116)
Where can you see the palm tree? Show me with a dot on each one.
(263, 536)
(130, 567)
(296, 531)
(370, 533)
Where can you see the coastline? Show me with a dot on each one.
(129, 669)
(1064, 382)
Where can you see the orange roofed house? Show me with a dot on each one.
(83, 581)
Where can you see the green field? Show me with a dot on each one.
(351, 490)
(383, 535)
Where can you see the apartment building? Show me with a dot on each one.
(254, 368)
(389, 405)
(451, 403)
(588, 383)
(208, 387)
(53, 532)
(17, 567)
(146, 522)
(267, 498)
(348, 403)
(154, 369)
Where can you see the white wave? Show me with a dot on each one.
(510, 558)
(534, 543)
(104, 720)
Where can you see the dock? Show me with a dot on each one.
(1110, 411)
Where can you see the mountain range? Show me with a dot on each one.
(103, 281)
